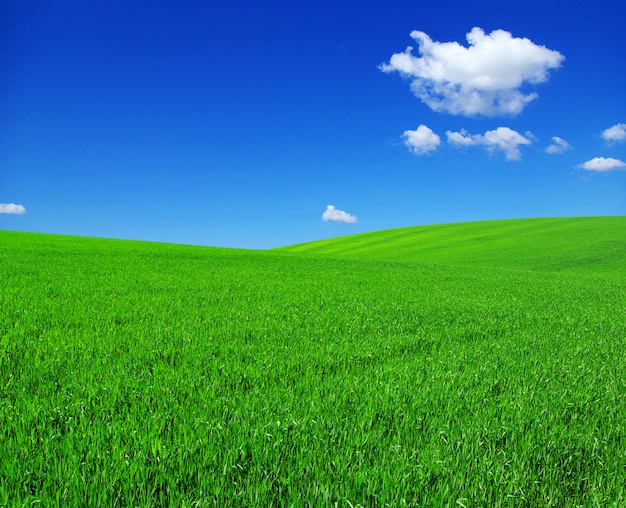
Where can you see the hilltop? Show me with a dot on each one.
(539, 244)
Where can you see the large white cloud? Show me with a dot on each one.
(333, 214)
(482, 79)
(501, 139)
(422, 140)
(615, 133)
(559, 145)
(12, 208)
(603, 164)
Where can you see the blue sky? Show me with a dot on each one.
(260, 124)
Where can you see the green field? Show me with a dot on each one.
(479, 364)
(597, 243)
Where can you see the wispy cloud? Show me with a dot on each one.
(617, 133)
(422, 140)
(334, 215)
(559, 145)
(501, 139)
(482, 79)
(602, 164)
(12, 208)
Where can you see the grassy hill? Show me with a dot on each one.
(487, 370)
(595, 243)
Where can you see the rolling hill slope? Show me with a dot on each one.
(538, 244)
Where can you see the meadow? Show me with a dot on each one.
(477, 364)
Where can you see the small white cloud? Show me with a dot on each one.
(503, 139)
(482, 79)
(461, 138)
(12, 208)
(506, 140)
(333, 214)
(617, 133)
(559, 145)
(421, 141)
(602, 164)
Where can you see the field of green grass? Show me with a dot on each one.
(537, 244)
(478, 364)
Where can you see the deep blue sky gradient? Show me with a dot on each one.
(236, 123)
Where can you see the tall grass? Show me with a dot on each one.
(149, 374)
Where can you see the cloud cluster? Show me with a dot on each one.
(617, 133)
(501, 139)
(482, 79)
(602, 164)
(489, 76)
(334, 215)
(559, 145)
(12, 208)
(422, 140)
(508, 141)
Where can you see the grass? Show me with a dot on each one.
(141, 374)
(598, 243)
